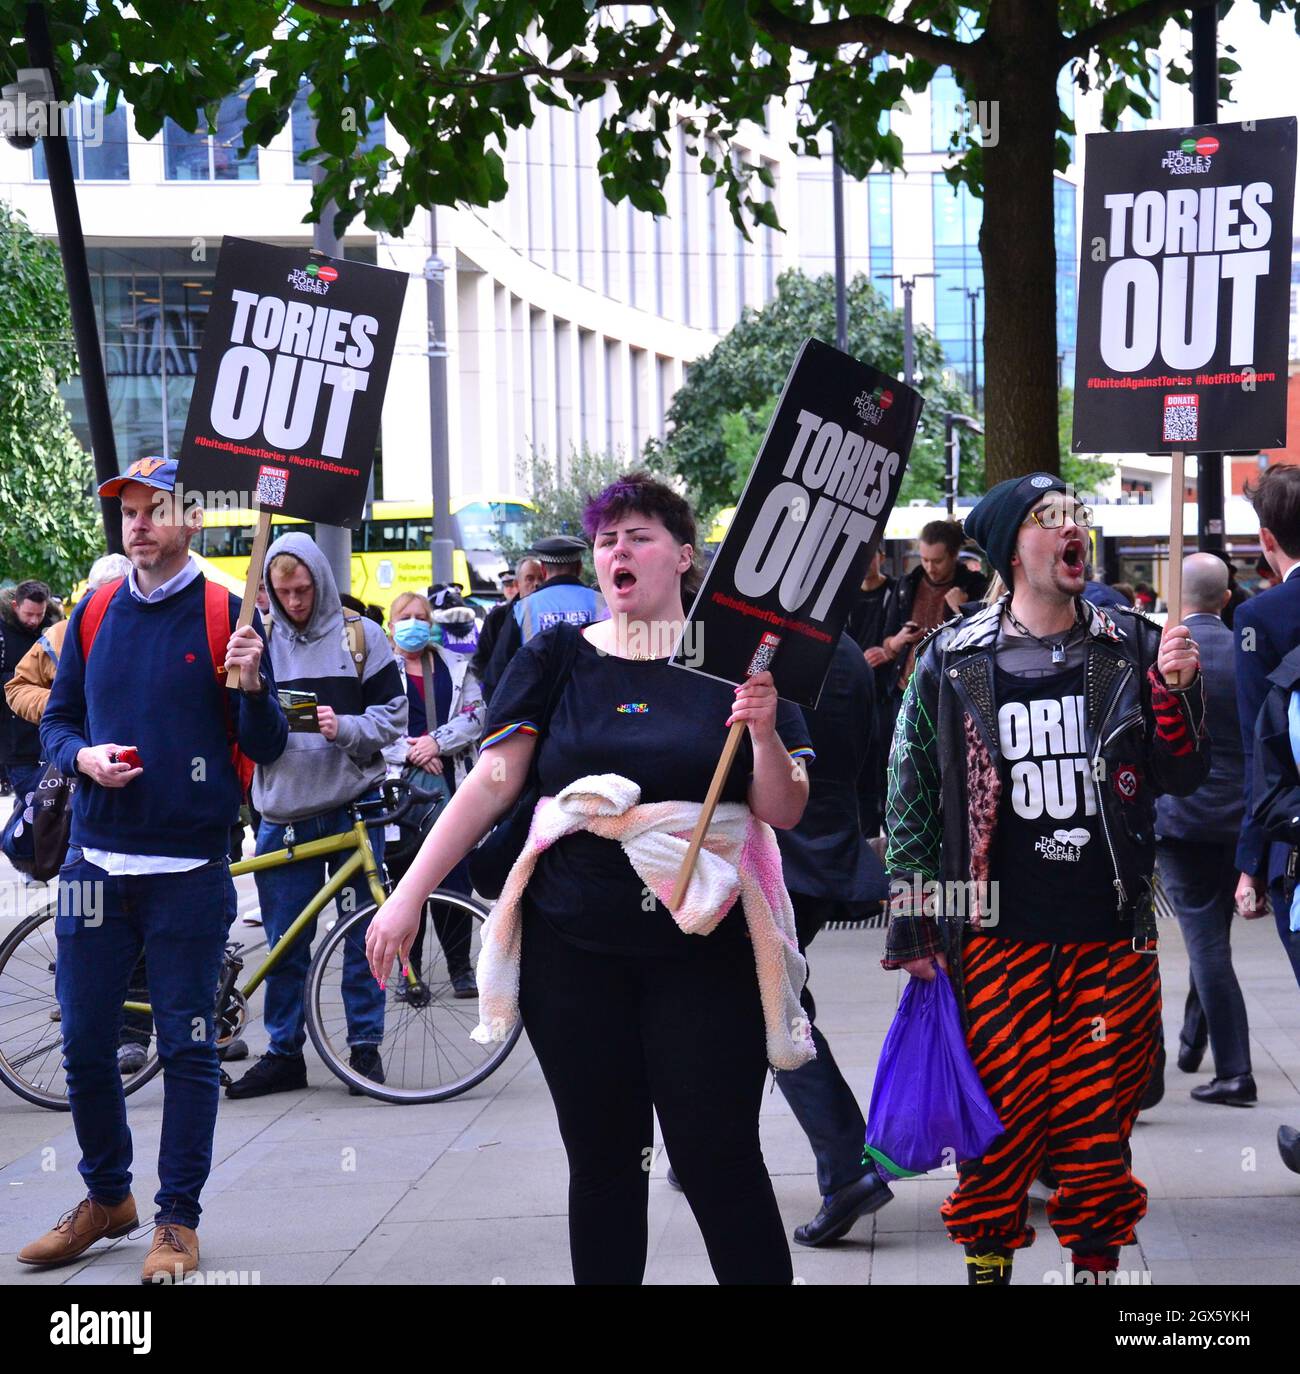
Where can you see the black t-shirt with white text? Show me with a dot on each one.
(1050, 859)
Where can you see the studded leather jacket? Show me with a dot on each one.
(945, 784)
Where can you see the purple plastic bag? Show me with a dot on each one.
(929, 1109)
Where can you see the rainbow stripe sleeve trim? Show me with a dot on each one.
(806, 752)
(526, 726)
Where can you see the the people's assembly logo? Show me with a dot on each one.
(1192, 157)
(872, 409)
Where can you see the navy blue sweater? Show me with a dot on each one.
(151, 684)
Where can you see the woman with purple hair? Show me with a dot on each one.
(633, 1008)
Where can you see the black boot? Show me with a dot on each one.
(273, 1073)
(988, 1266)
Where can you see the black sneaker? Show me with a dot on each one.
(463, 985)
(273, 1073)
(365, 1060)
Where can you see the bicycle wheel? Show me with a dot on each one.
(427, 1053)
(31, 1035)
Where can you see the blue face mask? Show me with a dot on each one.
(412, 635)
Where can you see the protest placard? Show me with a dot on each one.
(1184, 289)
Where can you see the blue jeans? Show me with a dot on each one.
(24, 778)
(181, 921)
(283, 893)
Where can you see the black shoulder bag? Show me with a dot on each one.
(491, 862)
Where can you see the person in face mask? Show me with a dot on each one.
(443, 735)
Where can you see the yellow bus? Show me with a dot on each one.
(391, 546)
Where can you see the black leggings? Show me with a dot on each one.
(619, 1037)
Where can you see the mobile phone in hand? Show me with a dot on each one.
(299, 710)
(130, 757)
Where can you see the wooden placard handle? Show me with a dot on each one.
(1174, 591)
(261, 538)
(720, 775)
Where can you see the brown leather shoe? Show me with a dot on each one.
(173, 1254)
(79, 1229)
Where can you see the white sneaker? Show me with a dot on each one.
(253, 917)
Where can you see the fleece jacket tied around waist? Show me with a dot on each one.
(739, 858)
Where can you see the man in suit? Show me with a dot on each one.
(831, 874)
(1267, 628)
(1196, 838)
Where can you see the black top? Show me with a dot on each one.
(660, 726)
(1050, 859)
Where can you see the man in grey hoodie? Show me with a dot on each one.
(317, 646)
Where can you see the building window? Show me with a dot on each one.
(880, 231)
(300, 124)
(958, 274)
(201, 156)
(947, 110)
(96, 142)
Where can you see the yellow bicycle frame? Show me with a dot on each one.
(363, 858)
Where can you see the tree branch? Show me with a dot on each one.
(568, 73)
(902, 40)
(1125, 21)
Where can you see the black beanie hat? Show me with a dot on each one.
(994, 523)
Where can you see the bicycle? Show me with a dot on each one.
(442, 1064)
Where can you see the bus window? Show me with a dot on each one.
(386, 535)
(483, 525)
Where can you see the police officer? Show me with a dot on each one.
(562, 596)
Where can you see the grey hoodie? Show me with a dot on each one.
(315, 774)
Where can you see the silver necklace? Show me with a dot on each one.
(1057, 648)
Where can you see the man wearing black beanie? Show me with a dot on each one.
(1031, 744)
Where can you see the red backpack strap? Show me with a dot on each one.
(93, 616)
(216, 613)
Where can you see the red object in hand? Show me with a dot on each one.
(131, 757)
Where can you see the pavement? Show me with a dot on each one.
(317, 1187)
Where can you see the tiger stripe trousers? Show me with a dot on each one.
(1064, 1038)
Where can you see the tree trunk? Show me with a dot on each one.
(1017, 241)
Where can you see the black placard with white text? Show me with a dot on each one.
(814, 508)
(1184, 289)
(290, 381)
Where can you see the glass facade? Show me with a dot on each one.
(1065, 98)
(947, 110)
(959, 273)
(1063, 198)
(300, 125)
(880, 231)
(202, 156)
(151, 304)
(96, 141)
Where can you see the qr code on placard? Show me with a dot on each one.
(271, 484)
(1182, 424)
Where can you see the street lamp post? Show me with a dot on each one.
(837, 209)
(444, 542)
(909, 337)
(953, 424)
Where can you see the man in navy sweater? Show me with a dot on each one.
(147, 865)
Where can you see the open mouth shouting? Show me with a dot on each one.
(624, 580)
(1072, 557)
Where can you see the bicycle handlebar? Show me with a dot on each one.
(394, 801)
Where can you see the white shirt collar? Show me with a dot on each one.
(169, 588)
(1286, 576)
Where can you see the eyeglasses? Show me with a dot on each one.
(1055, 514)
